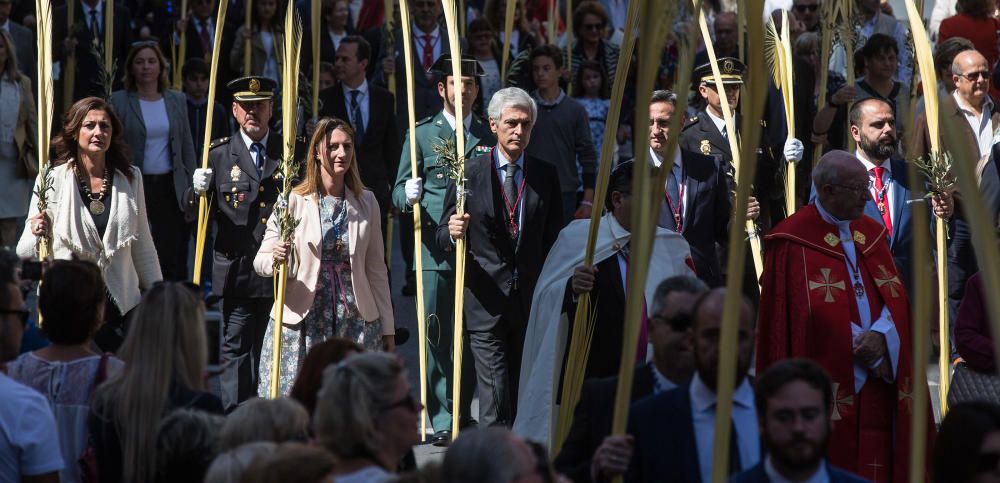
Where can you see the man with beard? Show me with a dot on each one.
(674, 431)
(831, 292)
(794, 405)
(873, 128)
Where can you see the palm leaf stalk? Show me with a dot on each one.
(847, 21)
(315, 15)
(647, 185)
(508, 30)
(248, 28)
(203, 199)
(569, 41)
(828, 24)
(181, 49)
(109, 42)
(450, 10)
(751, 228)
(288, 169)
(755, 95)
(109, 69)
(583, 322)
(43, 44)
(778, 51)
(418, 262)
(934, 163)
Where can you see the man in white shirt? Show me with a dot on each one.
(674, 431)
(794, 401)
(29, 445)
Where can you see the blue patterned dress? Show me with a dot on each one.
(334, 312)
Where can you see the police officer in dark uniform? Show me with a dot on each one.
(705, 133)
(241, 182)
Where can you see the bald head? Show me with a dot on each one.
(706, 336)
(841, 185)
(971, 74)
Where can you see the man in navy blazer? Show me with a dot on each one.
(674, 431)
(794, 401)
(513, 214)
(872, 125)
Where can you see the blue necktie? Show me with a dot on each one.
(359, 121)
(258, 148)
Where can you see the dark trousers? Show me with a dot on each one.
(166, 222)
(961, 265)
(497, 354)
(244, 321)
(439, 297)
(406, 241)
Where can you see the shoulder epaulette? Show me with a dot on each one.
(690, 122)
(219, 142)
(301, 139)
(424, 120)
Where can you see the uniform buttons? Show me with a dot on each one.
(261, 189)
(262, 204)
(263, 221)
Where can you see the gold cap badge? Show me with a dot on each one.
(254, 86)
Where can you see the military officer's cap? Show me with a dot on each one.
(730, 70)
(469, 65)
(252, 88)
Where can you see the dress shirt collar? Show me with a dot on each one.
(249, 142)
(820, 476)
(420, 33)
(720, 123)
(5, 26)
(662, 383)
(869, 166)
(204, 23)
(87, 9)
(451, 120)
(967, 109)
(703, 398)
(503, 161)
(541, 101)
(363, 89)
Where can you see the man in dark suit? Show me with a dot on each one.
(589, 453)
(369, 109)
(24, 43)
(872, 125)
(794, 400)
(696, 200)
(512, 217)
(674, 431)
(245, 190)
(80, 41)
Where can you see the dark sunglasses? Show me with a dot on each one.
(806, 8)
(592, 26)
(974, 76)
(407, 402)
(679, 322)
(22, 314)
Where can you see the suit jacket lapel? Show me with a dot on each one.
(133, 104)
(244, 158)
(714, 136)
(692, 186)
(531, 197)
(900, 194)
(690, 455)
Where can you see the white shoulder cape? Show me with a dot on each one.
(547, 331)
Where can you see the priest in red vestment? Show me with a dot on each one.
(831, 292)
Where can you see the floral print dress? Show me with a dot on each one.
(334, 312)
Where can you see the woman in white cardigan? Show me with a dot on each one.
(97, 211)
(338, 283)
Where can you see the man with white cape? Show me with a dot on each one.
(554, 300)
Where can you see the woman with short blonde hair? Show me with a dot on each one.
(338, 284)
(260, 419)
(366, 415)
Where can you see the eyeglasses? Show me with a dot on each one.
(806, 8)
(856, 188)
(592, 26)
(679, 322)
(22, 314)
(407, 402)
(974, 76)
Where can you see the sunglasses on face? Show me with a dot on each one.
(974, 76)
(806, 8)
(678, 323)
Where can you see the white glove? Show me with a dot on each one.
(201, 180)
(794, 149)
(413, 188)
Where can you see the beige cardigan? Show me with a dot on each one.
(368, 272)
(125, 254)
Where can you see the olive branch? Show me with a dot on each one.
(936, 168)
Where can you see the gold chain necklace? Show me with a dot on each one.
(96, 202)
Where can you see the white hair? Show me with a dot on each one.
(511, 97)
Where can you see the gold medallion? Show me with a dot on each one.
(706, 147)
(254, 85)
(234, 174)
(831, 239)
(96, 207)
(859, 237)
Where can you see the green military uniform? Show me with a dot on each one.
(438, 266)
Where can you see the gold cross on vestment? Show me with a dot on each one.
(888, 279)
(839, 400)
(824, 282)
(906, 394)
